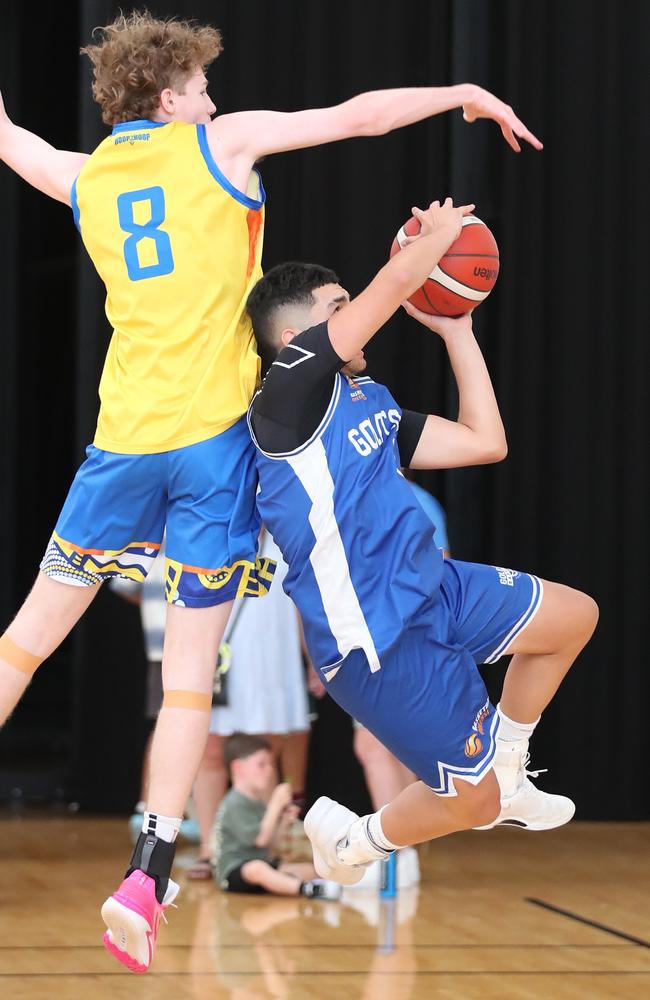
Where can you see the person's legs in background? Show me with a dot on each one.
(293, 763)
(210, 786)
(385, 777)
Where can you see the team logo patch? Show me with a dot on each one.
(507, 577)
(131, 139)
(473, 745)
(356, 392)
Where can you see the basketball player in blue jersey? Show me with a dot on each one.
(171, 212)
(396, 630)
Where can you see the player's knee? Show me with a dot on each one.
(584, 614)
(486, 806)
(480, 804)
(254, 872)
(475, 805)
(591, 613)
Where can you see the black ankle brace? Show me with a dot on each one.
(155, 858)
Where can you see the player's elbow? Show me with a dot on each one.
(399, 275)
(377, 123)
(494, 450)
(365, 118)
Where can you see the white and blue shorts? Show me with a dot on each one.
(428, 704)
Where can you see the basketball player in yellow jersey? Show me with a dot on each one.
(171, 211)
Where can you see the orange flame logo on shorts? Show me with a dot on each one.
(473, 745)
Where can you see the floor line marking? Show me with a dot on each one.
(333, 972)
(306, 947)
(588, 922)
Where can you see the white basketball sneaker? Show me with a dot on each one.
(522, 804)
(339, 844)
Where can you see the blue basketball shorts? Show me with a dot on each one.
(203, 495)
(428, 703)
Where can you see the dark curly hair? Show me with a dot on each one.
(286, 284)
(139, 56)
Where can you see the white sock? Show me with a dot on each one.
(510, 730)
(377, 835)
(165, 827)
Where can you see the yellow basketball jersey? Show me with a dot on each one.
(179, 249)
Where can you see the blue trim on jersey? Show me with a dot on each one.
(329, 412)
(221, 178)
(447, 772)
(141, 123)
(74, 204)
(524, 621)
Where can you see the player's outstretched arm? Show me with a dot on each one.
(252, 134)
(50, 170)
(353, 326)
(477, 437)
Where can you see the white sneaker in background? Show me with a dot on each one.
(321, 888)
(408, 868)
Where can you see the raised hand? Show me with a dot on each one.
(440, 216)
(281, 795)
(483, 104)
(444, 326)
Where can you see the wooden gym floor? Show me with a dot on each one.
(472, 930)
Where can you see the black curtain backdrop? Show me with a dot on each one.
(565, 335)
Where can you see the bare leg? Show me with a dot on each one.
(192, 637)
(303, 870)
(385, 776)
(49, 613)
(146, 767)
(546, 649)
(294, 760)
(280, 883)
(209, 789)
(419, 814)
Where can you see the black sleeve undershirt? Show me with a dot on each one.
(296, 392)
(409, 434)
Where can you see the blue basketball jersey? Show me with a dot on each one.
(360, 549)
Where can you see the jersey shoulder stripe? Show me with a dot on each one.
(320, 430)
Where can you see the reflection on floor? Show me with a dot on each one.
(470, 930)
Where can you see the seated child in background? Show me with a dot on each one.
(252, 822)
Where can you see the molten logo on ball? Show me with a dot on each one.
(463, 277)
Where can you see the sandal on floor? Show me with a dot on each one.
(201, 870)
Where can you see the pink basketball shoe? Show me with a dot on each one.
(132, 915)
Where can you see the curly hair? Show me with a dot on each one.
(139, 55)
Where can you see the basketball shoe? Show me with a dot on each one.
(132, 915)
(522, 804)
(339, 842)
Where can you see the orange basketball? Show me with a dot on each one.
(463, 277)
